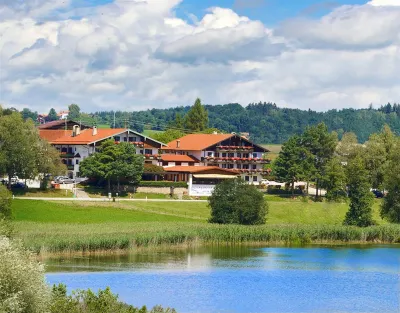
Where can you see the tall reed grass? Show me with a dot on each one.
(56, 238)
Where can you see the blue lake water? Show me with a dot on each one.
(244, 279)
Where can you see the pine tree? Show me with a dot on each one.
(361, 198)
(197, 118)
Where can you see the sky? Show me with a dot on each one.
(141, 54)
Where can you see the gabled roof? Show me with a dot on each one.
(178, 158)
(60, 124)
(197, 142)
(64, 137)
(200, 169)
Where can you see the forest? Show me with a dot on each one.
(265, 122)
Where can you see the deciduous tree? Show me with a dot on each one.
(74, 112)
(334, 180)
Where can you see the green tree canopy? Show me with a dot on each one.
(361, 198)
(196, 119)
(27, 113)
(334, 180)
(74, 112)
(52, 116)
(168, 135)
(235, 202)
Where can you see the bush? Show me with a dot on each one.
(86, 301)
(5, 203)
(235, 202)
(154, 169)
(163, 184)
(273, 190)
(22, 284)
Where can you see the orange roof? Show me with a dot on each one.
(198, 169)
(197, 142)
(178, 158)
(62, 137)
(52, 134)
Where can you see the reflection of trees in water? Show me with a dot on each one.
(149, 258)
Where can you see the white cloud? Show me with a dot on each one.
(138, 55)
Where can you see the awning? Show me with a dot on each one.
(211, 176)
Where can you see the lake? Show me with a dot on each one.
(244, 279)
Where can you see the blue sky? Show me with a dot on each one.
(270, 12)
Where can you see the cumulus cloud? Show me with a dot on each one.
(138, 54)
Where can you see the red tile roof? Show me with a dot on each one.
(197, 142)
(178, 158)
(198, 169)
(85, 137)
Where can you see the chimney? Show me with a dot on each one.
(215, 133)
(94, 130)
(76, 130)
(178, 143)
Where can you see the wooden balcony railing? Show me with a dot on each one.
(236, 160)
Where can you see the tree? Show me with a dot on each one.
(321, 144)
(168, 136)
(293, 162)
(23, 285)
(196, 119)
(178, 122)
(52, 116)
(112, 162)
(27, 113)
(361, 198)
(347, 148)
(235, 202)
(74, 112)
(5, 203)
(334, 180)
(390, 207)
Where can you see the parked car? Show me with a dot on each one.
(18, 185)
(60, 179)
(377, 193)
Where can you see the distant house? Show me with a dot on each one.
(229, 152)
(78, 143)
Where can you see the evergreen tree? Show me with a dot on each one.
(179, 121)
(334, 180)
(361, 198)
(52, 116)
(74, 112)
(196, 119)
(293, 163)
(27, 113)
(348, 147)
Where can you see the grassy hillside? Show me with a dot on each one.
(274, 150)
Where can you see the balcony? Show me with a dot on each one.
(259, 171)
(137, 144)
(152, 156)
(236, 160)
(65, 155)
(235, 148)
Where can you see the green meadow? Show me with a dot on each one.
(67, 226)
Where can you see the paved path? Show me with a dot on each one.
(105, 199)
(80, 193)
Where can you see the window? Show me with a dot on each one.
(141, 151)
(216, 154)
(239, 155)
(223, 165)
(254, 166)
(77, 162)
(224, 155)
(125, 139)
(209, 154)
(117, 138)
(239, 166)
(245, 166)
(231, 155)
(254, 178)
(178, 163)
(230, 166)
(245, 155)
(247, 178)
(164, 163)
(255, 155)
(148, 151)
(132, 139)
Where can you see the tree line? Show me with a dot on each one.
(346, 169)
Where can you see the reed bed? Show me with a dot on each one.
(60, 238)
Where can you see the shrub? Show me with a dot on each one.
(5, 203)
(235, 202)
(22, 284)
(154, 169)
(163, 184)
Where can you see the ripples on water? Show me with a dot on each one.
(245, 279)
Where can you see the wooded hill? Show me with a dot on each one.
(266, 122)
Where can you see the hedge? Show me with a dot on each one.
(163, 184)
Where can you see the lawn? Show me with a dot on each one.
(88, 226)
(274, 150)
(49, 193)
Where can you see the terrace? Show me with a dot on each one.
(235, 148)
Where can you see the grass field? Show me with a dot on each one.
(49, 193)
(274, 150)
(46, 226)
